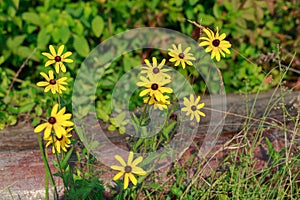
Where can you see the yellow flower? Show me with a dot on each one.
(62, 142)
(154, 70)
(179, 56)
(155, 87)
(52, 84)
(58, 121)
(128, 169)
(58, 58)
(157, 104)
(216, 43)
(193, 107)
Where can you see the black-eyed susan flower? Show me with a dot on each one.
(154, 87)
(192, 107)
(52, 84)
(179, 56)
(128, 169)
(57, 121)
(157, 104)
(216, 43)
(59, 143)
(58, 58)
(154, 69)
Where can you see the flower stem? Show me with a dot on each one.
(48, 171)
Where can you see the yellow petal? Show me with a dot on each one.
(204, 43)
(197, 118)
(138, 171)
(52, 50)
(118, 168)
(42, 83)
(48, 55)
(126, 180)
(118, 176)
(154, 62)
(54, 110)
(47, 88)
(50, 75)
(67, 54)
(40, 127)
(48, 130)
(120, 159)
(49, 62)
(59, 130)
(68, 60)
(60, 50)
(63, 67)
(67, 123)
(132, 178)
(57, 68)
(130, 158)
(137, 161)
(61, 111)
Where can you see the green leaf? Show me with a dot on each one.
(120, 118)
(2, 126)
(15, 3)
(32, 18)
(13, 43)
(193, 2)
(38, 110)
(43, 38)
(81, 46)
(101, 114)
(97, 26)
(64, 162)
(168, 129)
(26, 108)
(12, 120)
(111, 128)
(64, 34)
(122, 130)
(35, 122)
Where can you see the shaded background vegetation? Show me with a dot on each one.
(263, 33)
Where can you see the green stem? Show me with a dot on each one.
(47, 168)
(60, 168)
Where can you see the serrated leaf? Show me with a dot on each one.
(97, 26)
(120, 118)
(81, 46)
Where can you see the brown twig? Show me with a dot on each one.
(20, 69)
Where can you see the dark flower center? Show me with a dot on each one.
(156, 70)
(57, 58)
(52, 120)
(128, 169)
(216, 42)
(52, 81)
(181, 55)
(59, 139)
(193, 108)
(154, 86)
